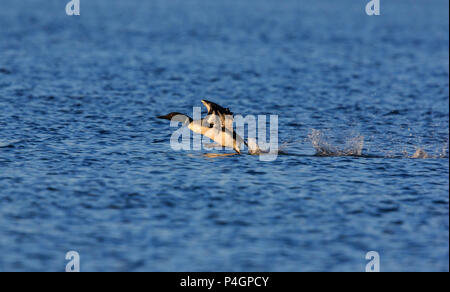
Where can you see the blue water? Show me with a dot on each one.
(86, 166)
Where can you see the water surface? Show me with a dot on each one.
(86, 166)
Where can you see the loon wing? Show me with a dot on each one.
(216, 112)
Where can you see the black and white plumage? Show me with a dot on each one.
(217, 125)
(216, 112)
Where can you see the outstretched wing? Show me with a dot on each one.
(216, 112)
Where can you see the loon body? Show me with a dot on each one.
(217, 125)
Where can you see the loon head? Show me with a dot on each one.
(178, 117)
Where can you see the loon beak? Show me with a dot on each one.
(166, 117)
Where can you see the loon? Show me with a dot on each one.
(217, 125)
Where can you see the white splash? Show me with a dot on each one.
(353, 145)
(253, 147)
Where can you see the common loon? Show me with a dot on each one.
(217, 125)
